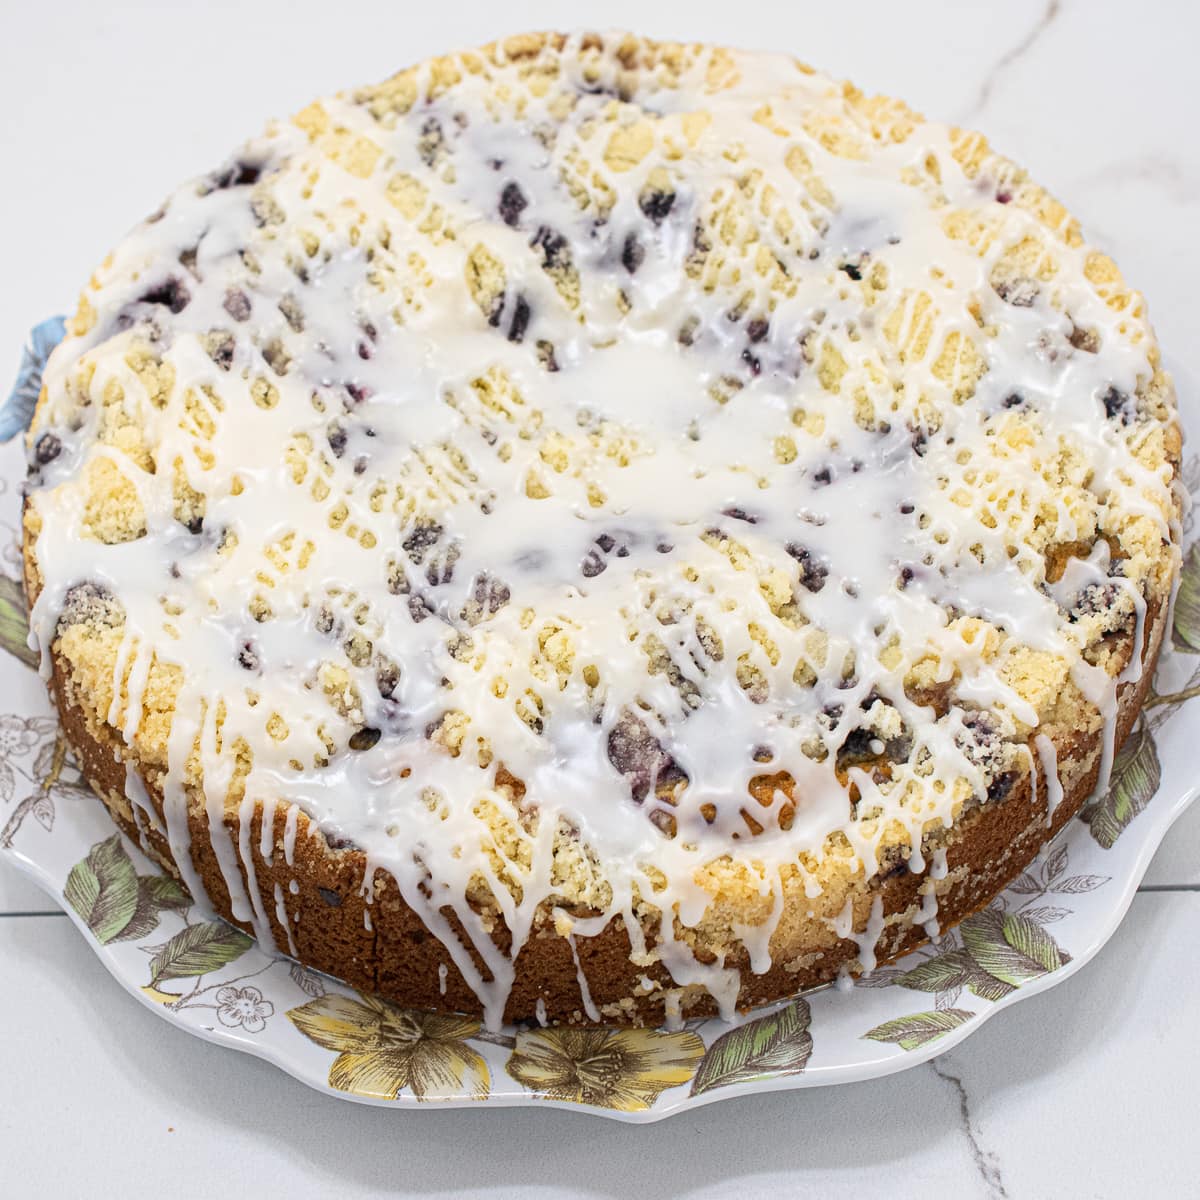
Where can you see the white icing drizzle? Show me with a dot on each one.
(250, 889)
(843, 923)
(289, 834)
(647, 479)
(266, 839)
(868, 940)
(928, 914)
(1048, 757)
(673, 1009)
(139, 799)
(589, 1008)
(757, 938)
(443, 972)
(281, 915)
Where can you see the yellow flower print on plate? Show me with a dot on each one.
(384, 1049)
(625, 1069)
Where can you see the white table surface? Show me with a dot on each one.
(1088, 1090)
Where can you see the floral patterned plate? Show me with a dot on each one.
(212, 980)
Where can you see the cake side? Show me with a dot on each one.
(384, 947)
(320, 913)
(723, 709)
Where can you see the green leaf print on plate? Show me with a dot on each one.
(1000, 951)
(116, 903)
(1185, 633)
(1010, 947)
(196, 950)
(14, 624)
(919, 1028)
(1135, 778)
(940, 974)
(103, 889)
(777, 1044)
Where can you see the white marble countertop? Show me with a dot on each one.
(1088, 1090)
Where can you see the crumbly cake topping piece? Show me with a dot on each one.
(605, 475)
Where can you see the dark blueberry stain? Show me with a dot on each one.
(432, 142)
(1116, 404)
(635, 752)
(423, 536)
(593, 564)
(1094, 599)
(740, 514)
(656, 204)
(633, 254)
(520, 320)
(1000, 787)
(554, 248)
(172, 294)
(823, 478)
(512, 204)
(330, 896)
(238, 174)
(441, 567)
(47, 449)
(237, 304)
(248, 657)
(813, 572)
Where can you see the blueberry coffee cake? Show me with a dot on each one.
(602, 530)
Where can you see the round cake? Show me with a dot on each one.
(600, 530)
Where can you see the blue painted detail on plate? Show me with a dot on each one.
(17, 410)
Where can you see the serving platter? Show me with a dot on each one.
(204, 976)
